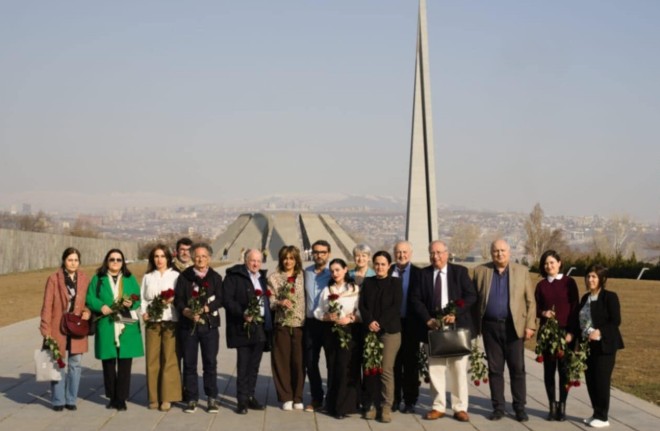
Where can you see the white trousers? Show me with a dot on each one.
(449, 374)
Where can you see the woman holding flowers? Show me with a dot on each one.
(157, 298)
(65, 292)
(114, 293)
(338, 309)
(287, 299)
(556, 305)
(380, 309)
(600, 318)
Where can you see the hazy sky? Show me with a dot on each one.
(552, 102)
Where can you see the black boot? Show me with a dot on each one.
(552, 414)
(561, 411)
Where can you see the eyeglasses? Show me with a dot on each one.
(319, 252)
(115, 259)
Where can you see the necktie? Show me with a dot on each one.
(437, 292)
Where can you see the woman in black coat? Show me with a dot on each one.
(600, 318)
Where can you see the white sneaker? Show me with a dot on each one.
(298, 406)
(288, 406)
(597, 423)
(587, 420)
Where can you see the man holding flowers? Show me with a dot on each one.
(247, 307)
(444, 296)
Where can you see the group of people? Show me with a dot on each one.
(296, 312)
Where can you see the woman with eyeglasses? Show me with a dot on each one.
(114, 294)
(65, 292)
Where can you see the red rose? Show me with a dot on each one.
(477, 383)
(293, 290)
(205, 284)
(560, 354)
(258, 292)
(380, 370)
(367, 372)
(539, 359)
(576, 383)
(268, 293)
(485, 380)
(135, 297)
(460, 303)
(195, 294)
(291, 279)
(169, 293)
(333, 297)
(60, 363)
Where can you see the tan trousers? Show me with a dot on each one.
(163, 374)
(391, 344)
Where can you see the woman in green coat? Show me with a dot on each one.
(113, 294)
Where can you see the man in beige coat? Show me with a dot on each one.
(506, 318)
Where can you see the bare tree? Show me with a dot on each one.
(464, 237)
(617, 238)
(84, 228)
(541, 238)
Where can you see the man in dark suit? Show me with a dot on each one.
(442, 283)
(243, 282)
(406, 367)
(507, 317)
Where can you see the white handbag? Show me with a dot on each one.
(45, 367)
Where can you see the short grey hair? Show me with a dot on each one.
(199, 245)
(362, 248)
(249, 251)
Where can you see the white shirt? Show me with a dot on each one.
(443, 277)
(348, 299)
(153, 284)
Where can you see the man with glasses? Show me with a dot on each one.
(317, 276)
(441, 283)
(507, 317)
(406, 366)
(198, 298)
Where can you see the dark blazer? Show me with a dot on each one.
(459, 286)
(211, 285)
(415, 277)
(606, 317)
(237, 290)
(380, 300)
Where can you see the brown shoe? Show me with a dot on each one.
(386, 415)
(462, 416)
(153, 406)
(165, 406)
(433, 415)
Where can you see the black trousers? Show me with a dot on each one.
(312, 344)
(406, 365)
(552, 365)
(248, 359)
(344, 384)
(208, 339)
(598, 376)
(503, 346)
(117, 378)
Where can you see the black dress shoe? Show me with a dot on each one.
(58, 408)
(121, 406)
(71, 407)
(496, 415)
(241, 409)
(521, 416)
(409, 408)
(253, 404)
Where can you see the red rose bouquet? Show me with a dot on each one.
(54, 351)
(157, 306)
(253, 310)
(196, 304)
(478, 367)
(334, 307)
(551, 340)
(372, 356)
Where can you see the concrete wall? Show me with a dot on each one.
(27, 251)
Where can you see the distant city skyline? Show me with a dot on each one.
(166, 103)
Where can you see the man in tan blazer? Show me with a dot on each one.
(506, 318)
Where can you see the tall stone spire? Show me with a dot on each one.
(422, 214)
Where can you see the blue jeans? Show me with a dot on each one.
(66, 390)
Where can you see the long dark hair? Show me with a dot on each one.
(103, 269)
(347, 278)
(68, 252)
(151, 266)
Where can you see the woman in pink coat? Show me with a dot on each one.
(66, 290)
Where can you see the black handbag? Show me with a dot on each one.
(450, 342)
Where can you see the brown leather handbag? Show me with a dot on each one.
(74, 326)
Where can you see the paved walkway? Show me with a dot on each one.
(25, 403)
